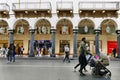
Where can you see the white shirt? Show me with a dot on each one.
(66, 49)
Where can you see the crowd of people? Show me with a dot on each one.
(11, 51)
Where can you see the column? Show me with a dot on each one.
(75, 42)
(53, 31)
(11, 36)
(97, 31)
(118, 41)
(31, 46)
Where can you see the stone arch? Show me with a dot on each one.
(21, 26)
(108, 26)
(64, 26)
(42, 26)
(86, 26)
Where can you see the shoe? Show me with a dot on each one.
(74, 69)
(68, 61)
(8, 62)
(85, 70)
(82, 74)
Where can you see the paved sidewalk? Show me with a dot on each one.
(49, 70)
(49, 58)
(35, 58)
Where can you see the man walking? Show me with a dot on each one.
(114, 52)
(66, 50)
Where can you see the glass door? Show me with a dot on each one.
(62, 44)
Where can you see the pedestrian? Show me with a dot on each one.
(6, 51)
(22, 49)
(1, 51)
(85, 70)
(10, 53)
(82, 57)
(37, 51)
(19, 51)
(50, 51)
(12, 46)
(114, 52)
(66, 50)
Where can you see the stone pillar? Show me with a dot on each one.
(31, 46)
(11, 36)
(97, 31)
(75, 42)
(53, 31)
(118, 42)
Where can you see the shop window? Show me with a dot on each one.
(43, 30)
(42, 46)
(83, 30)
(3, 30)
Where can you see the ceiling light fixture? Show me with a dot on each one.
(80, 11)
(57, 11)
(35, 12)
(103, 11)
(26, 12)
(48, 11)
(71, 11)
(94, 11)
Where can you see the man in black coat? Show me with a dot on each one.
(82, 57)
(114, 52)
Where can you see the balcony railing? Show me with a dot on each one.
(65, 5)
(99, 5)
(32, 6)
(4, 7)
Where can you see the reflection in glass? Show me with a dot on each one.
(43, 30)
(3, 30)
(89, 30)
(42, 46)
(64, 30)
(86, 29)
(20, 30)
(108, 29)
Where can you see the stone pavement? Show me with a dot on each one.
(41, 69)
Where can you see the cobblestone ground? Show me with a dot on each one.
(50, 70)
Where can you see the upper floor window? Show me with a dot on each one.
(108, 27)
(3, 27)
(22, 27)
(86, 30)
(43, 27)
(64, 27)
(86, 26)
(43, 30)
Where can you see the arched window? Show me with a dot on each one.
(86, 26)
(108, 27)
(43, 27)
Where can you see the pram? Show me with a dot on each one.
(99, 67)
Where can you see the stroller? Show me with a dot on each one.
(99, 67)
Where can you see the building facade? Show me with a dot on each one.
(54, 23)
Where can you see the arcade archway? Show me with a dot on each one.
(64, 35)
